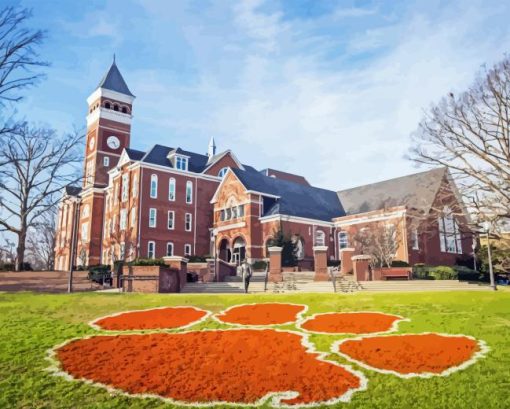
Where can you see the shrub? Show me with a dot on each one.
(259, 265)
(424, 272)
(399, 263)
(148, 262)
(196, 259)
(474, 276)
(443, 273)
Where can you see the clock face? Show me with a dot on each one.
(92, 143)
(113, 142)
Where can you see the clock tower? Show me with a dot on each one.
(108, 133)
(108, 127)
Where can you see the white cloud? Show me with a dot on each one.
(276, 101)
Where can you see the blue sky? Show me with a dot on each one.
(330, 90)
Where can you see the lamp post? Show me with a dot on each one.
(487, 226)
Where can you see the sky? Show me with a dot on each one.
(330, 90)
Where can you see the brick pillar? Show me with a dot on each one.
(211, 271)
(320, 261)
(275, 264)
(345, 259)
(361, 267)
(179, 263)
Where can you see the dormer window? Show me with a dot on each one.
(181, 162)
(178, 160)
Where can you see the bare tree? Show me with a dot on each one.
(380, 240)
(18, 53)
(41, 240)
(35, 165)
(470, 134)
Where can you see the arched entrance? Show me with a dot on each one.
(224, 252)
(239, 251)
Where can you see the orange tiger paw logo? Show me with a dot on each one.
(153, 354)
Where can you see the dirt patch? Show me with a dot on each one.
(351, 323)
(411, 354)
(261, 314)
(157, 318)
(238, 366)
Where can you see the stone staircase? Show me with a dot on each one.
(303, 282)
(421, 285)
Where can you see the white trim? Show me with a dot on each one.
(95, 153)
(168, 220)
(154, 178)
(295, 219)
(368, 219)
(223, 179)
(154, 249)
(481, 353)
(222, 155)
(256, 192)
(191, 222)
(189, 183)
(393, 327)
(108, 93)
(169, 243)
(272, 398)
(229, 226)
(109, 114)
(155, 217)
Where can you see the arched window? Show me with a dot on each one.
(222, 172)
(154, 186)
(115, 107)
(107, 105)
(449, 233)
(320, 238)
(343, 240)
(189, 191)
(124, 110)
(171, 189)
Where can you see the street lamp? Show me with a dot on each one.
(486, 226)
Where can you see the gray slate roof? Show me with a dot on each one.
(295, 199)
(73, 190)
(135, 154)
(197, 163)
(114, 81)
(416, 191)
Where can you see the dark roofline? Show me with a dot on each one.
(444, 168)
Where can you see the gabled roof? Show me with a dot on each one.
(134, 154)
(294, 199)
(158, 155)
(215, 158)
(114, 81)
(416, 191)
(73, 190)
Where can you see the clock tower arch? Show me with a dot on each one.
(108, 133)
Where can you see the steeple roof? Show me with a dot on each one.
(113, 81)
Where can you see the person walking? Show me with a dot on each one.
(246, 272)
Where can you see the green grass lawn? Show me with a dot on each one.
(30, 324)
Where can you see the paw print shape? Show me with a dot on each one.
(153, 353)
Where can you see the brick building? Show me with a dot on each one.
(170, 201)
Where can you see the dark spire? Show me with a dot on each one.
(113, 80)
